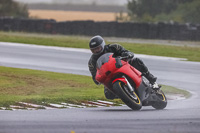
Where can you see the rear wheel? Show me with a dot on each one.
(162, 100)
(131, 99)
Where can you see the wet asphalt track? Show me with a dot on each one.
(180, 116)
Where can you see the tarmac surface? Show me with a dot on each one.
(180, 116)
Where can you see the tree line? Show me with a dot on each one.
(12, 8)
(182, 11)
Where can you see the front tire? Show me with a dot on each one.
(131, 99)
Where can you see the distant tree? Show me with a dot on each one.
(190, 11)
(11, 8)
(185, 12)
(143, 10)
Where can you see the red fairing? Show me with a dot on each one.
(108, 72)
(101, 75)
(120, 79)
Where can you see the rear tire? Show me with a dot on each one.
(162, 103)
(130, 99)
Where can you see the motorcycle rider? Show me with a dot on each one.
(98, 47)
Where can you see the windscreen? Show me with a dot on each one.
(102, 60)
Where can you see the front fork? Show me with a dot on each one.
(129, 87)
(128, 84)
(125, 81)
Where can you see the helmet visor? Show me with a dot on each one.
(97, 49)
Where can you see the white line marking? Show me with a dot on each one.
(72, 105)
(89, 105)
(32, 105)
(35, 105)
(106, 102)
(96, 104)
(56, 105)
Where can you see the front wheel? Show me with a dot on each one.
(162, 100)
(131, 99)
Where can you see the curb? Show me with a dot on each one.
(31, 106)
(89, 104)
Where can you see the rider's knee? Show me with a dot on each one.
(108, 94)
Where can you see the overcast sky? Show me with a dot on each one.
(101, 2)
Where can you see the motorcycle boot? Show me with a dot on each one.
(156, 86)
(152, 79)
(139, 65)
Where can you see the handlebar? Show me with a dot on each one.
(125, 57)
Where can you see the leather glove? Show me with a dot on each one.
(127, 54)
(96, 82)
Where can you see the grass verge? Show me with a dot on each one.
(40, 86)
(190, 53)
(175, 91)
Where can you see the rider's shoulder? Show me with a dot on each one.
(114, 45)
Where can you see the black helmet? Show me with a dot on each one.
(97, 44)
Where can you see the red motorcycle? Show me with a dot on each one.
(128, 83)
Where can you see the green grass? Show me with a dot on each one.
(173, 91)
(45, 39)
(191, 53)
(40, 86)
